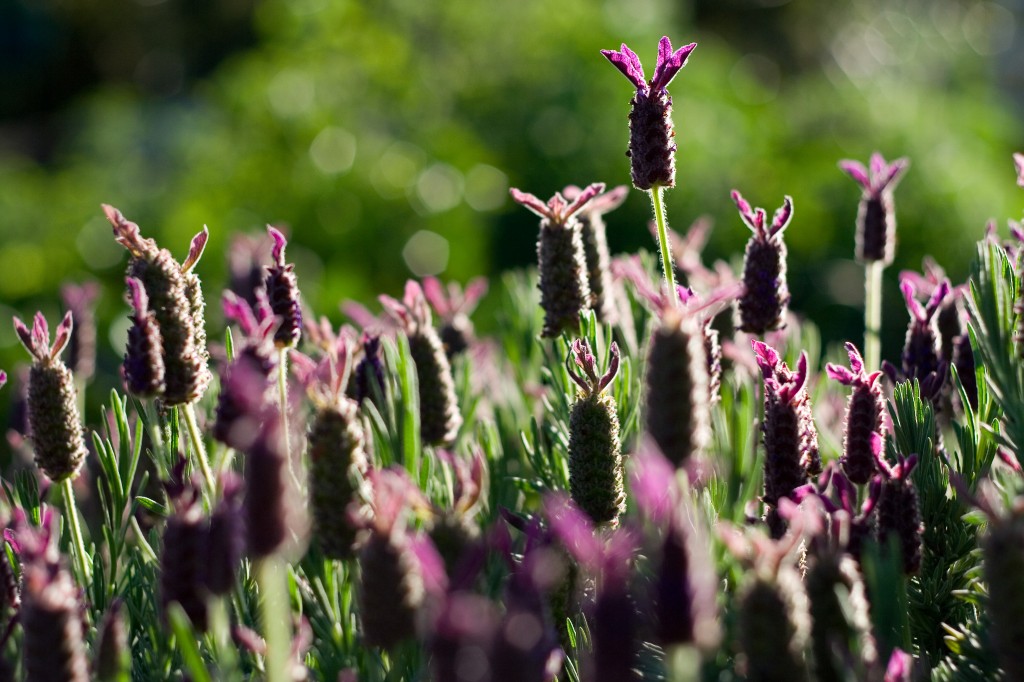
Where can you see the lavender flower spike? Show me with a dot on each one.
(283, 292)
(865, 429)
(762, 307)
(876, 216)
(651, 149)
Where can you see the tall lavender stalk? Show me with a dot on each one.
(875, 239)
(651, 146)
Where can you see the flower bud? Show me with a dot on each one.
(762, 307)
(865, 429)
(183, 560)
(899, 514)
(283, 292)
(338, 460)
(876, 215)
(595, 250)
(143, 360)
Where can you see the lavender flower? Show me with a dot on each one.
(876, 215)
(337, 448)
(865, 430)
(273, 516)
(561, 259)
(899, 514)
(651, 146)
(790, 438)
(440, 418)
(225, 539)
(595, 249)
(143, 367)
(595, 460)
(369, 371)
(1018, 162)
(113, 658)
(453, 308)
(453, 530)
(80, 301)
(176, 300)
(183, 560)
(283, 292)
(53, 647)
(54, 424)
(921, 358)
(762, 307)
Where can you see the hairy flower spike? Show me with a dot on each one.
(651, 146)
(176, 300)
(595, 460)
(595, 249)
(865, 429)
(283, 292)
(440, 418)
(561, 260)
(876, 215)
(762, 307)
(369, 371)
(922, 350)
(143, 360)
(899, 512)
(790, 438)
(53, 420)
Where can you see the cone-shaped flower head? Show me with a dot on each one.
(790, 437)
(595, 249)
(561, 259)
(53, 647)
(369, 371)
(762, 307)
(440, 418)
(876, 215)
(651, 136)
(80, 300)
(242, 398)
(143, 366)
(273, 514)
(898, 511)
(337, 447)
(613, 612)
(454, 530)
(53, 421)
(283, 292)
(453, 306)
(922, 351)
(773, 617)
(595, 458)
(183, 560)
(865, 430)
(177, 302)
(391, 589)
(685, 586)
(1002, 547)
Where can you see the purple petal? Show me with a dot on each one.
(613, 367)
(782, 216)
(435, 294)
(530, 202)
(195, 249)
(24, 335)
(3, 378)
(238, 309)
(63, 334)
(610, 200)
(137, 297)
(573, 529)
(40, 335)
(279, 244)
(894, 173)
(628, 63)
(874, 493)
(584, 197)
(1018, 162)
(878, 168)
(652, 481)
(435, 580)
(475, 290)
(937, 297)
(766, 356)
(744, 207)
(669, 63)
(856, 361)
(899, 667)
(1009, 459)
(857, 171)
(840, 374)
(913, 305)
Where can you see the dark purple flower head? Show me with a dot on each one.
(865, 428)
(143, 366)
(876, 215)
(922, 351)
(762, 306)
(1018, 162)
(668, 65)
(283, 293)
(37, 341)
(558, 210)
(899, 513)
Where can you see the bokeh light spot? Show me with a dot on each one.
(291, 93)
(21, 267)
(426, 253)
(989, 28)
(96, 247)
(486, 188)
(439, 187)
(333, 150)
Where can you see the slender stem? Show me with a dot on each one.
(220, 625)
(873, 314)
(282, 389)
(84, 570)
(663, 244)
(271, 575)
(199, 448)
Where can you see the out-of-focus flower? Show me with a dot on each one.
(80, 300)
(595, 249)
(453, 306)
(899, 514)
(876, 215)
(651, 136)
(283, 294)
(143, 366)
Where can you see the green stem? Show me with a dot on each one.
(199, 448)
(663, 243)
(271, 575)
(220, 626)
(873, 314)
(282, 390)
(84, 570)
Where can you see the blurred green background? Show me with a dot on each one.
(385, 135)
